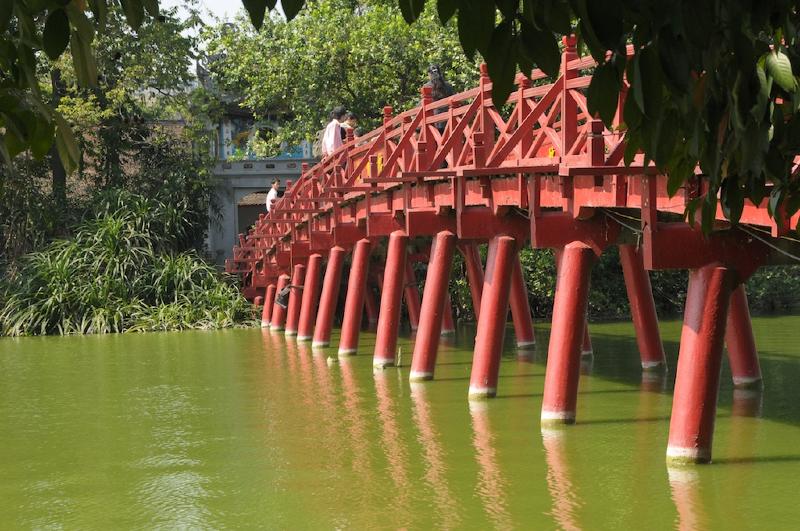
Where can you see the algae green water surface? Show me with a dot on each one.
(243, 429)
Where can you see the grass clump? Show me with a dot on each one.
(124, 270)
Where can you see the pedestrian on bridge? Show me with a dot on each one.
(332, 137)
(350, 122)
(272, 195)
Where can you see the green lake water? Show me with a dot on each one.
(244, 429)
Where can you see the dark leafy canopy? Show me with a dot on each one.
(712, 84)
(52, 26)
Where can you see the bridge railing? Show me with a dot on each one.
(544, 131)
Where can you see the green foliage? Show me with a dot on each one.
(27, 122)
(120, 273)
(335, 52)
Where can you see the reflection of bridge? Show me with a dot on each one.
(459, 172)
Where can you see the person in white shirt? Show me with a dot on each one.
(332, 137)
(272, 195)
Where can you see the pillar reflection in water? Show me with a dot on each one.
(434, 456)
(491, 487)
(355, 418)
(684, 486)
(559, 483)
(392, 437)
(327, 397)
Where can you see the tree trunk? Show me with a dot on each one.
(56, 167)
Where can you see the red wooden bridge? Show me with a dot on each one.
(539, 171)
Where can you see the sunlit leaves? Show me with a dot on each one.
(780, 68)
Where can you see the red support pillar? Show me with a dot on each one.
(295, 297)
(354, 301)
(520, 308)
(279, 312)
(643, 309)
(448, 324)
(433, 299)
(567, 334)
(742, 353)
(586, 344)
(329, 297)
(411, 292)
(391, 297)
(308, 307)
(694, 403)
(371, 306)
(494, 314)
(269, 300)
(472, 260)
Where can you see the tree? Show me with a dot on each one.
(142, 76)
(29, 30)
(336, 52)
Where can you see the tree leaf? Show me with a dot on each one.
(292, 7)
(556, 16)
(83, 59)
(475, 25)
(602, 96)
(678, 174)
(732, 199)
(256, 9)
(605, 20)
(65, 144)
(631, 114)
(635, 82)
(411, 9)
(780, 68)
(501, 61)
(42, 137)
(55, 37)
(446, 9)
(100, 12)
(668, 129)
(541, 47)
(152, 7)
(6, 9)
(134, 12)
(587, 32)
(651, 81)
(467, 37)
(508, 8)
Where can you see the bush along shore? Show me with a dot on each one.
(120, 272)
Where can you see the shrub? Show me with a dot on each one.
(119, 273)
